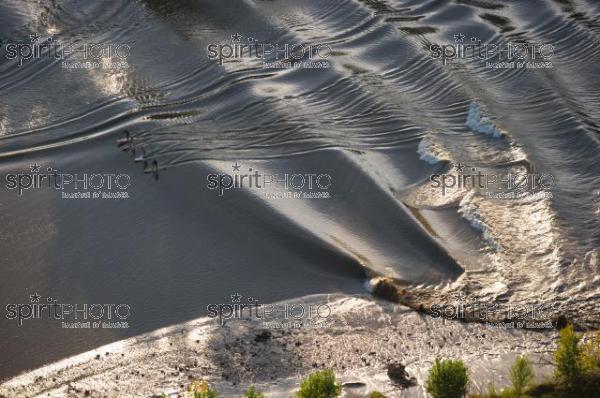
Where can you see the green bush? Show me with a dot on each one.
(320, 384)
(492, 391)
(252, 392)
(546, 389)
(521, 375)
(508, 393)
(201, 389)
(210, 393)
(376, 394)
(447, 379)
(568, 359)
(591, 354)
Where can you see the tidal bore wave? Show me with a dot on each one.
(369, 105)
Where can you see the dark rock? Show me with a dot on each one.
(387, 290)
(262, 337)
(354, 384)
(561, 322)
(397, 373)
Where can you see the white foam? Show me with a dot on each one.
(480, 123)
(368, 285)
(426, 153)
(469, 212)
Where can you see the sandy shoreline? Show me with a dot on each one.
(363, 335)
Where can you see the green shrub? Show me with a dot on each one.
(252, 392)
(209, 393)
(447, 379)
(591, 354)
(201, 389)
(376, 394)
(591, 385)
(568, 359)
(320, 384)
(547, 389)
(492, 391)
(521, 375)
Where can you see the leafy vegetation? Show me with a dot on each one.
(577, 372)
(577, 375)
(252, 392)
(568, 359)
(521, 375)
(201, 389)
(321, 384)
(447, 379)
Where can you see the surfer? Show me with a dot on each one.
(126, 142)
(153, 169)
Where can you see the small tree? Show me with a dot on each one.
(521, 374)
(320, 384)
(447, 379)
(252, 392)
(376, 394)
(568, 358)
